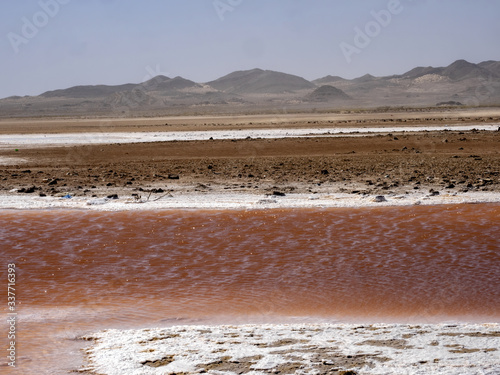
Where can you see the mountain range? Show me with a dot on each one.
(461, 82)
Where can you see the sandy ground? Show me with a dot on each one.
(298, 349)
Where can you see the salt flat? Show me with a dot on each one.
(299, 349)
(95, 138)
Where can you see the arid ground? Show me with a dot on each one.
(382, 163)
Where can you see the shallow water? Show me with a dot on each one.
(79, 271)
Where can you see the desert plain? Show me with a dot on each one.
(362, 153)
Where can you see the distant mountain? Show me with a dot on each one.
(161, 84)
(462, 69)
(88, 92)
(421, 71)
(365, 78)
(132, 99)
(254, 90)
(327, 93)
(459, 70)
(167, 85)
(258, 81)
(328, 79)
(492, 66)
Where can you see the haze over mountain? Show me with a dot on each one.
(257, 89)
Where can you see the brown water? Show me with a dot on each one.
(80, 271)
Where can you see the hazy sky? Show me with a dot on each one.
(50, 44)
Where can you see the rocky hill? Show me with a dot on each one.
(266, 90)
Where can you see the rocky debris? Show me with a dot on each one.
(28, 190)
(97, 201)
(379, 199)
(449, 104)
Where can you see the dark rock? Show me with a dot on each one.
(173, 176)
(53, 181)
(278, 194)
(380, 198)
(28, 190)
(325, 172)
(112, 196)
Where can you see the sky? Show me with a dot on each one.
(52, 44)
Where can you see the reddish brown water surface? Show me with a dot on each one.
(79, 271)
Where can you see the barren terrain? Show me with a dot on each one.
(385, 163)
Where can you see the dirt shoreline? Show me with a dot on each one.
(438, 162)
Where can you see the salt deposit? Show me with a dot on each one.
(222, 200)
(299, 349)
(44, 140)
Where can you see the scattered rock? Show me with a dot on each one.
(112, 196)
(97, 202)
(379, 199)
(173, 176)
(28, 190)
(278, 194)
(267, 201)
(53, 181)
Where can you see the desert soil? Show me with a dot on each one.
(375, 164)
